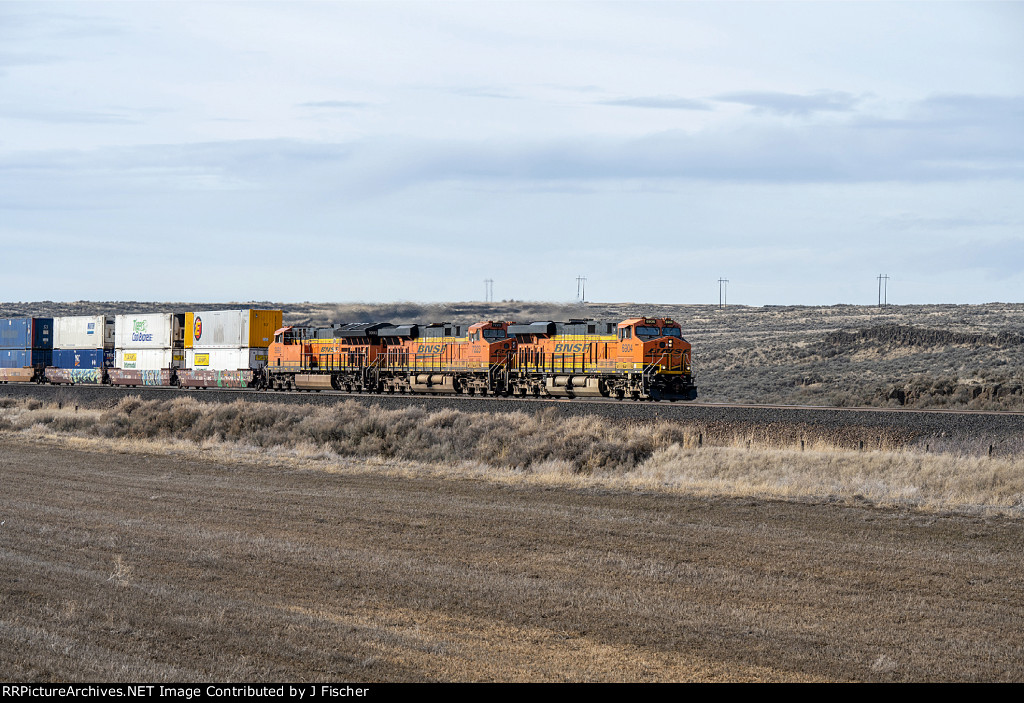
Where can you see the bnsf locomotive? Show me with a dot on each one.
(640, 358)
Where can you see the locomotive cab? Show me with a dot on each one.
(288, 348)
(654, 344)
(489, 332)
(490, 342)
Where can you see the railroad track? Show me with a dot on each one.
(995, 429)
(545, 400)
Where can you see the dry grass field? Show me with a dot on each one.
(693, 458)
(929, 356)
(127, 562)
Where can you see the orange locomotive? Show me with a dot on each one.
(640, 358)
(342, 357)
(643, 358)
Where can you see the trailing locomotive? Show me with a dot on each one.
(640, 358)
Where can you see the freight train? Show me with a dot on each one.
(640, 358)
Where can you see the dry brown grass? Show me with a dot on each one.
(118, 564)
(695, 459)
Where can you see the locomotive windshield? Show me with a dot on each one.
(495, 334)
(648, 332)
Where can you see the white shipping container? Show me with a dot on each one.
(149, 331)
(217, 359)
(234, 329)
(149, 359)
(83, 332)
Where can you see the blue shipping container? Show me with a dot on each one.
(20, 358)
(26, 333)
(79, 359)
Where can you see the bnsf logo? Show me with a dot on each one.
(197, 329)
(430, 348)
(568, 348)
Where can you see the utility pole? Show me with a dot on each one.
(581, 288)
(723, 292)
(489, 290)
(883, 300)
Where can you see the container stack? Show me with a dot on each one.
(227, 348)
(148, 349)
(83, 349)
(26, 348)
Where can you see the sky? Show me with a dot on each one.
(377, 152)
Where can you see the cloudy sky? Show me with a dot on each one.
(374, 151)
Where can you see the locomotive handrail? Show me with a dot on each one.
(506, 362)
(649, 369)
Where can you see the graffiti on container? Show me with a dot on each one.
(86, 375)
(229, 379)
(152, 377)
(75, 375)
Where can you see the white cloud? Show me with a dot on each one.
(791, 104)
(660, 102)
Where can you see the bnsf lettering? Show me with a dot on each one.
(429, 348)
(569, 348)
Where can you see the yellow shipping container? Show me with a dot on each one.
(262, 326)
(232, 328)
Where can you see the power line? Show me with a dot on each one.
(489, 290)
(723, 292)
(883, 297)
